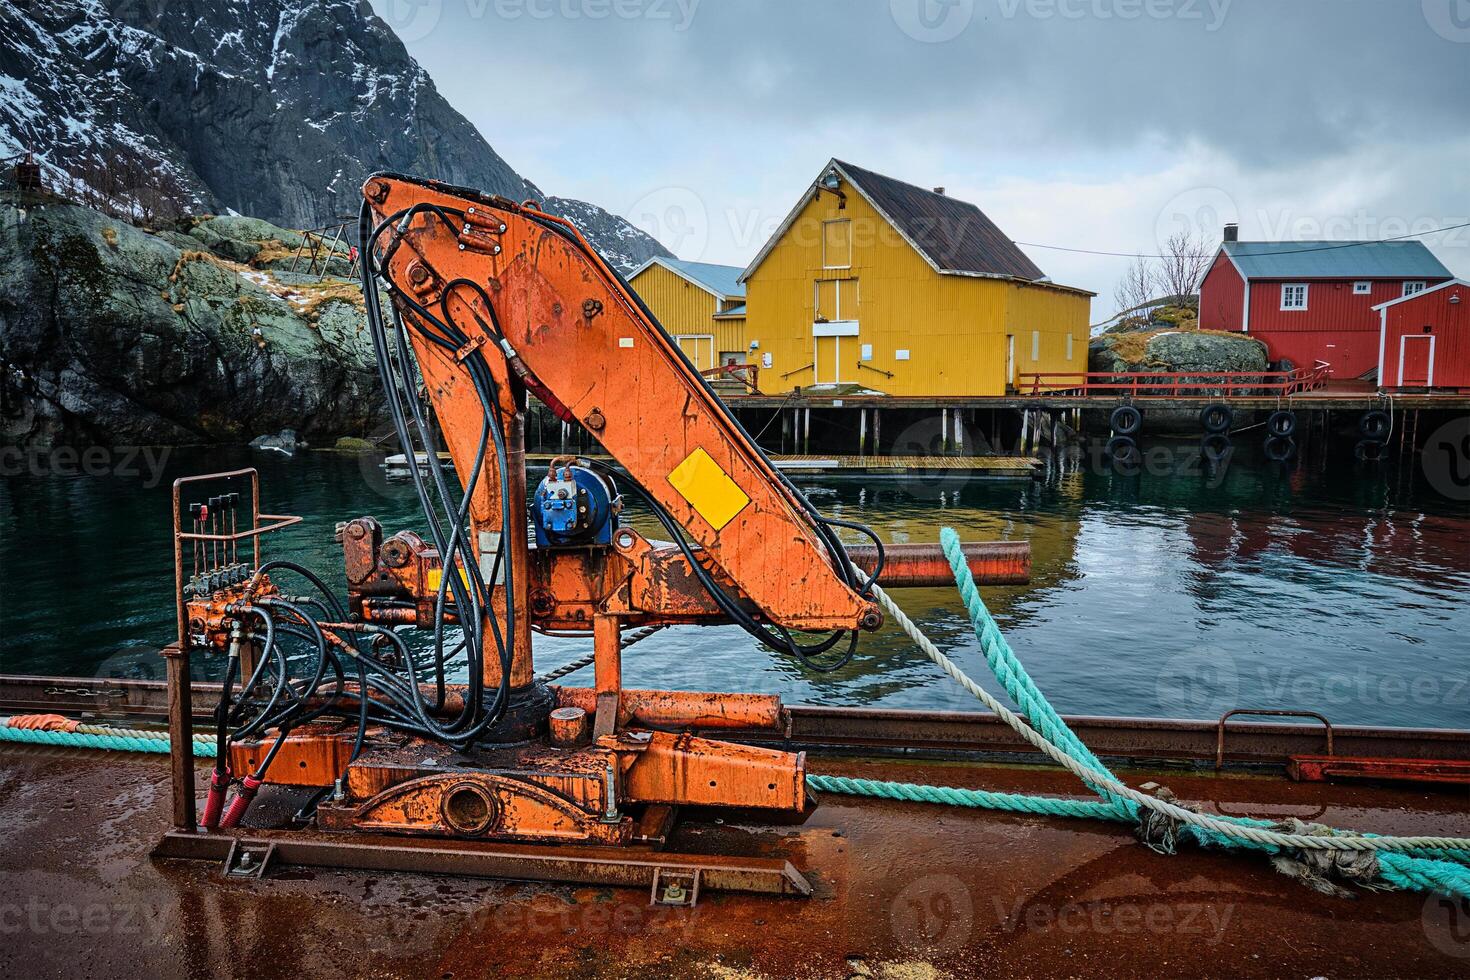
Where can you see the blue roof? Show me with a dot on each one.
(1335, 260)
(722, 279)
(737, 310)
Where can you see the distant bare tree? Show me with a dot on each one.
(1185, 261)
(130, 189)
(1139, 285)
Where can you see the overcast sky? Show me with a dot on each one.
(1091, 124)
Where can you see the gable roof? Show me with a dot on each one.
(1423, 292)
(1334, 260)
(723, 281)
(953, 236)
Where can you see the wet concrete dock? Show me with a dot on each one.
(903, 890)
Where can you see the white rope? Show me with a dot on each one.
(1259, 835)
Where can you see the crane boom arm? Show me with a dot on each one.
(575, 334)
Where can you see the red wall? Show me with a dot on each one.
(1337, 326)
(1221, 296)
(1449, 325)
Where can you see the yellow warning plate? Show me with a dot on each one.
(709, 489)
(434, 576)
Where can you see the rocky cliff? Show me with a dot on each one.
(272, 108)
(110, 335)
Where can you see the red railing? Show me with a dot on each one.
(1179, 384)
(748, 374)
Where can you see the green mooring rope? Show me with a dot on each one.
(1426, 869)
(114, 739)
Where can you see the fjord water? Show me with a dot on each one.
(1324, 586)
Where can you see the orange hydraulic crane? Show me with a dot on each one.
(490, 301)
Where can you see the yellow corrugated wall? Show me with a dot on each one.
(686, 310)
(953, 328)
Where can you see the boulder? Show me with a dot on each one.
(1169, 351)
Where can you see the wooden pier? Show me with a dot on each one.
(982, 467)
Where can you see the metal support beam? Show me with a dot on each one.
(574, 864)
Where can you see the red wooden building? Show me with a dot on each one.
(1314, 301)
(1424, 339)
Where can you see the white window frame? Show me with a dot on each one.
(835, 221)
(1412, 287)
(1292, 308)
(1363, 287)
(1035, 346)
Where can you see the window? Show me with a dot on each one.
(1362, 288)
(1293, 296)
(1036, 345)
(837, 244)
(837, 299)
(1414, 286)
(1069, 347)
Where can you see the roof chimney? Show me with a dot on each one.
(1232, 232)
(939, 190)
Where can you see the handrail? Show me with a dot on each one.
(1172, 384)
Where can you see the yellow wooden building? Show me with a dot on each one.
(700, 304)
(887, 286)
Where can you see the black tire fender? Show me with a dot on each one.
(1216, 418)
(1282, 424)
(1375, 424)
(1126, 420)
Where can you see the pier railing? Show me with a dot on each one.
(1178, 384)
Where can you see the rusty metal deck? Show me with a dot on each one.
(904, 890)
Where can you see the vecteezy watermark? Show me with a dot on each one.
(1446, 459)
(1200, 683)
(1207, 921)
(935, 912)
(1210, 13)
(1446, 923)
(411, 20)
(1450, 19)
(1198, 213)
(414, 20)
(676, 216)
(932, 21)
(1107, 456)
(42, 918)
(937, 21)
(588, 919)
(127, 462)
(1400, 688)
(679, 14)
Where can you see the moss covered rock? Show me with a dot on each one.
(110, 334)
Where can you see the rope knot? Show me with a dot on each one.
(1318, 867)
(1160, 831)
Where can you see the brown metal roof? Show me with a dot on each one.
(954, 235)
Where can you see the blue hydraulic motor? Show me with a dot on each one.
(575, 506)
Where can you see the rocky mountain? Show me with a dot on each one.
(271, 108)
(195, 334)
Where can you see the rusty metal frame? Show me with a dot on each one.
(575, 864)
(822, 730)
(1268, 713)
(179, 682)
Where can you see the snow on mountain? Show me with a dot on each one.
(272, 108)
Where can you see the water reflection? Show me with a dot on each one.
(1150, 595)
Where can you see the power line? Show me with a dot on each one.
(1291, 251)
